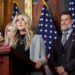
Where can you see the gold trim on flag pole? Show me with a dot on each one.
(14, 1)
(44, 2)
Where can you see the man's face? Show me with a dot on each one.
(66, 22)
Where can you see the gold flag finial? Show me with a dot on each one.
(14, 1)
(44, 2)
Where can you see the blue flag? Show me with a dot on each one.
(15, 10)
(46, 28)
(72, 10)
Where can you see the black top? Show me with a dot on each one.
(21, 46)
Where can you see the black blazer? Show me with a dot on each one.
(64, 55)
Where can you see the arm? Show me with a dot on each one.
(70, 66)
(37, 50)
(42, 58)
(53, 56)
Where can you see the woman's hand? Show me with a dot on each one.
(38, 64)
(64, 73)
(60, 69)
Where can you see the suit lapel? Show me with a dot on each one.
(68, 45)
(70, 40)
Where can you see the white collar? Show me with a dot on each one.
(68, 31)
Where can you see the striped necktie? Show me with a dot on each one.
(64, 38)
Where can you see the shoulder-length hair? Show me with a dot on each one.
(7, 40)
(29, 34)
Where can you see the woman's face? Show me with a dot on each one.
(21, 24)
(10, 33)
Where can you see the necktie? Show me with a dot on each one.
(64, 38)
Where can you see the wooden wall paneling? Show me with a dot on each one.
(7, 12)
(36, 11)
(1, 14)
(56, 7)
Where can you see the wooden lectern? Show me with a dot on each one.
(12, 62)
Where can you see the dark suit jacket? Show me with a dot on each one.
(64, 55)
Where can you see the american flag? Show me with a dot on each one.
(46, 28)
(15, 10)
(72, 10)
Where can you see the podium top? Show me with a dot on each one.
(5, 49)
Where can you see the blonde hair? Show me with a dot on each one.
(29, 34)
(7, 40)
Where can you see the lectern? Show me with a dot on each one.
(12, 62)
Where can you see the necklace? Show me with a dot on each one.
(22, 40)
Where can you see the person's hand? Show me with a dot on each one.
(60, 69)
(38, 64)
(64, 73)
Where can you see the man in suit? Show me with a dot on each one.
(62, 59)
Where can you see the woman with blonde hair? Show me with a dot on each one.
(28, 42)
(9, 35)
